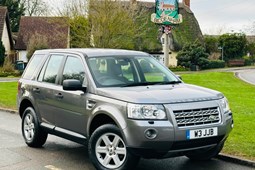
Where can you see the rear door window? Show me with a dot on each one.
(49, 73)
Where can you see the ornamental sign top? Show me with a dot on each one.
(166, 13)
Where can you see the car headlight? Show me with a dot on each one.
(137, 111)
(224, 104)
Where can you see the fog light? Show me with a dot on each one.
(232, 125)
(150, 133)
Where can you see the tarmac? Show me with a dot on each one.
(221, 156)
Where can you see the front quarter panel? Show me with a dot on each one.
(114, 109)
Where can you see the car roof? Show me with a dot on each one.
(92, 52)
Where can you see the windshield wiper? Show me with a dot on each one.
(167, 82)
(151, 83)
(138, 84)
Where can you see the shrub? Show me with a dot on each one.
(8, 66)
(8, 69)
(234, 45)
(178, 68)
(215, 64)
(3, 74)
(193, 55)
(248, 60)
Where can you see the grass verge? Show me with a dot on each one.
(8, 91)
(241, 96)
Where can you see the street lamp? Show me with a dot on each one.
(222, 50)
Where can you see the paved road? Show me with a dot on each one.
(60, 154)
(3, 79)
(247, 75)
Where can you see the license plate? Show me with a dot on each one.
(201, 133)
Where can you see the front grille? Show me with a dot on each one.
(195, 117)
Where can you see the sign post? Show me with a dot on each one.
(167, 15)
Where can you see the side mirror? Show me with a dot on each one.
(73, 85)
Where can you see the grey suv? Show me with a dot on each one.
(122, 104)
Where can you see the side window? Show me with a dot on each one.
(51, 70)
(33, 65)
(40, 78)
(74, 69)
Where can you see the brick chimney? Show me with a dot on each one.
(187, 3)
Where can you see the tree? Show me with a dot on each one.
(211, 44)
(35, 7)
(251, 48)
(251, 51)
(193, 55)
(79, 32)
(80, 29)
(36, 42)
(234, 45)
(110, 24)
(117, 24)
(16, 10)
(149, 38)
(2, 53)
(74, 8)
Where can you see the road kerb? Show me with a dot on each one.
(237, 74)
(8, 110)
(236, 160)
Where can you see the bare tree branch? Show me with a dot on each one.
(36, 7)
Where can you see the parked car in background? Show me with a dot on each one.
(122, 104)
(20, 65)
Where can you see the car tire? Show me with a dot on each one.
(205, 154)
(33, 134)
(107, 149)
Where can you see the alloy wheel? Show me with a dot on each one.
(111, 150)
(29, 127)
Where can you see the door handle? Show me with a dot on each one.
(36, 90)
(59, 96)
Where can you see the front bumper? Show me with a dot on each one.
(170, 140)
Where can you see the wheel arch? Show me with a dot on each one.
(103, 117)
(99, 120)
(23, 105)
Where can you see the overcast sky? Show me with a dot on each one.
(226, 15)
(221, 16)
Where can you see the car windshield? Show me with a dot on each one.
(126, 71)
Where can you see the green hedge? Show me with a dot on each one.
(178, 68)
(215, 64)
(248, 61)
(7, 74)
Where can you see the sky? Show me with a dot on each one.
(221, 16)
